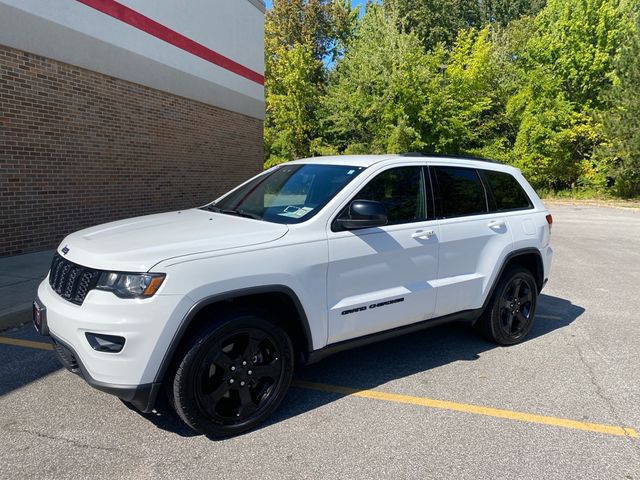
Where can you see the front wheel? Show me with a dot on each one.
(232, 375)
(509, 317)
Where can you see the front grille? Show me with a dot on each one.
(67, 357)
(72, 282)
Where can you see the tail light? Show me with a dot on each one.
(549, 221)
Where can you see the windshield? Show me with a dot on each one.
(289, 194)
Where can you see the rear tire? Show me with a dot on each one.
(232, 374)
(510, 314)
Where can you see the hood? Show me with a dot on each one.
(137, 244)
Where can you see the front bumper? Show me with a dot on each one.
(142, 397)
(148, 325)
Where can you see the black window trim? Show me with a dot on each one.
(428, 192)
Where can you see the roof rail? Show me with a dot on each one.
(448, 155)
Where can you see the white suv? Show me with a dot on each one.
(215, 305)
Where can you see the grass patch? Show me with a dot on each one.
(588, 197)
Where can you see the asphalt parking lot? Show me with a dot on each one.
(438, 404)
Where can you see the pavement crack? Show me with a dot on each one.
(600, 393)
(12, 427)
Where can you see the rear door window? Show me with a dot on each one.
(459, 192)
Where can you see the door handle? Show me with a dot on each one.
(496, 224)
(423, 234)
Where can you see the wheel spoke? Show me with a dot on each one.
(509, 325)
(255, 338)
(247, 406)
(526, 298)
(522, 320)
(517, 285)
(271, 370)
(222, 360)
(212, 398)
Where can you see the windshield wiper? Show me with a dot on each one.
(211, 208)
(229, 211)
(241, 213)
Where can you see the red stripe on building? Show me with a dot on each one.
(147, 25)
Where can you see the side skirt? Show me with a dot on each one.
(465, 316)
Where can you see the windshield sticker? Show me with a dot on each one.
(295, 212)
(350, 172)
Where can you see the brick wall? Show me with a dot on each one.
(78, 148)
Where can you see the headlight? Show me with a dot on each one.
(130, 285)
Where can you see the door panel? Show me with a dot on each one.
(381, 278)
(470, 249)
(472, 240)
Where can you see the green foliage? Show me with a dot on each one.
(565, 67)
(439, 21)
(621, 122)
(389, 95)
(553, 88)
(377, 91)
(322, 25)
(291, 103)
(554, 140)
(579, 39)
(299, 35)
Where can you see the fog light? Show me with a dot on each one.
(105, 343)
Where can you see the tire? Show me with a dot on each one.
(510, 314)
(232, 374)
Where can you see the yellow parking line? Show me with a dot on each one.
(25, 343)
(468, 408)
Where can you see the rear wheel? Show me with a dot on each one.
(509, 317)
(232, 375)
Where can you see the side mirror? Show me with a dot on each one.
(363, 214)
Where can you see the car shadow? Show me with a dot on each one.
(373, 365)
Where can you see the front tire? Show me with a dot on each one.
(510, 314)
(232, 375)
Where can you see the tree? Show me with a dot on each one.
(466, 102)
(389, 95)
(291, 104)
(378, 89)
(439, 21)
(566, 67)
(621, 122)
(300, 37)
(554, 140)
(580, 40)
(322, 25)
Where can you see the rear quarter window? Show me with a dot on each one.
(505, 192)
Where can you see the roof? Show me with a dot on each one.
(369, 160)
(349, 160)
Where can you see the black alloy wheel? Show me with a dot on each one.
(516, 307)
(233, 375)
(238, 375)
(510, 314)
